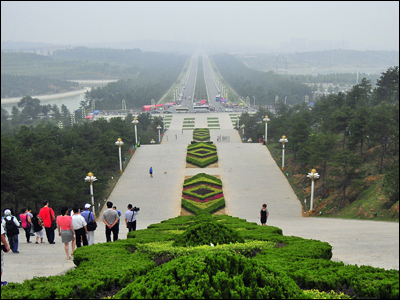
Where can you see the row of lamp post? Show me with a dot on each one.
(90, 178)
(313, 174)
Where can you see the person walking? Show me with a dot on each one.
(79, 225)
(151, 172)
(264, 214)
(47, 215)
(130, 218)
(11, 224)
(66, 231)
(26, 224)
(89, 218)
(119, 219)
(37, 227)
(29, 213)
(110, 219)
(5, 244)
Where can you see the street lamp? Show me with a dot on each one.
(283, 140)
(90, 178)
(266, 119)
(243, 126)
(119, 143)
(159, 136)
(313, 175)
(237, 121)
(163, 125)
(254, 100)
(135, 121)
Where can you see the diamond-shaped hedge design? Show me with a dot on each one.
(203, 192)
(201, 154)
(201, 134)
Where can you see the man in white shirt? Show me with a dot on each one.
(79, 224)
(130, 218)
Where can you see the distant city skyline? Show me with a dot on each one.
(272, 26)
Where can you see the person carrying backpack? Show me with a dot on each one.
(11, 224)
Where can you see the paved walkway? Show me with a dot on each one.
(250, 178)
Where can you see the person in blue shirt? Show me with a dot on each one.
(119, 217)
(89, 217)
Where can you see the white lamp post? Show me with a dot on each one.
(159, 136)
(243, 126)
(119, 143)
(283, 140)
(135, 121)
(90, 178)
(254, 101)
(313, 175)
(266, 119)
(163, 125)
(237, 120)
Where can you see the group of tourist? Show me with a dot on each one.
(74, 226)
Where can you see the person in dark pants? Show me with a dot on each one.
(110, 219)
(264, 214)
(47, 215)
(119, 218)
(26, 224)
(151, 172)
(79, 224)
(130, 218)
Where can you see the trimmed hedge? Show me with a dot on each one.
(197, 207)
(148, 256)
(201, 134)
(202, 178)
(199, 234)
(202, 162)
(210, 275)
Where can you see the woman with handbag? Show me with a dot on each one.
(26, 224)
(66, 230)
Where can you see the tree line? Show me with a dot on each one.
(150, 83)
(49, 163)
(265, 86)
(344, 135)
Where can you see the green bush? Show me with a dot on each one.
(212, 275)
(147, 262)
(205, 233)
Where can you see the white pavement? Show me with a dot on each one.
(250, 178)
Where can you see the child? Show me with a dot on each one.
(37, 227)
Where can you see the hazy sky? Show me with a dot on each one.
(366, 25)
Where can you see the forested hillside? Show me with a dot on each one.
(264, 86)
(321, 60)
(46, 162)
(151, 83)
(351, 139)
(19, 86)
